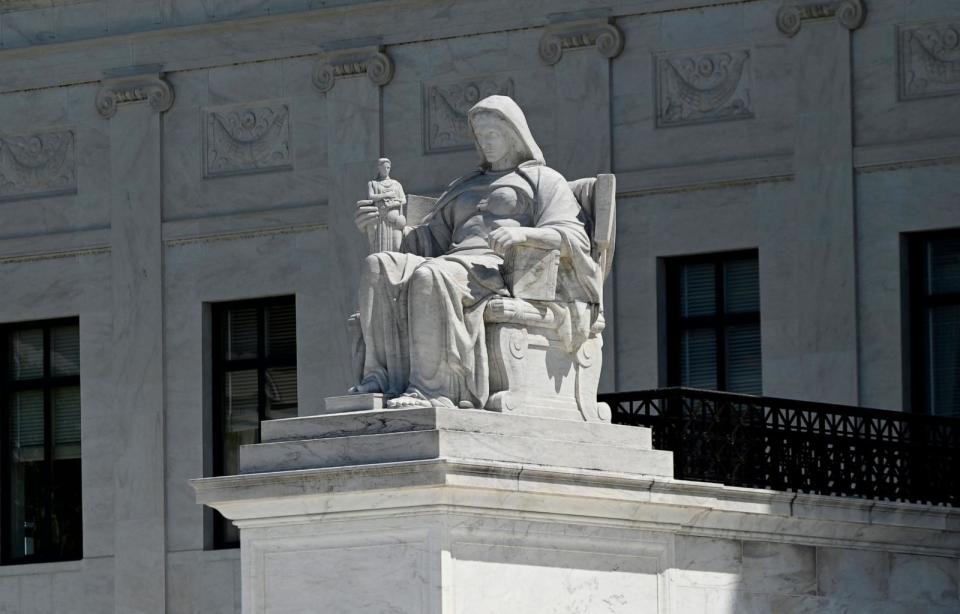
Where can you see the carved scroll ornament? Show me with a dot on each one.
(445, 110)
(36, 165)
(929, 60)
(372, 62)
(603, 35)
(850, 14)
(153, 90)
(703, 87)
(246, 138)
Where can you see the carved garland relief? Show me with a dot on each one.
(246, 138)
(703, 87)
(929, 60)
(37, 165)
(446, 105)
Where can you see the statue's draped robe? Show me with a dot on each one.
(421, 311)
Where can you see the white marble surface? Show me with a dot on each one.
(685, 189)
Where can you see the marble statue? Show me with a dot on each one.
(504, 257)
(385, 200)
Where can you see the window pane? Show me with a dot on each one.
(943, 265)
(697, 290)
(66, 519)
(943, 360)
(25, 468)
(281, 393)
(240, 333)
(65, 344)
(698, 358)
(66, 422)
(741, 286)
(240, 401)
(26, 425)
(281, 331)
(743, 359)
(26, 354)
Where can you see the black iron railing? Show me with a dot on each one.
(764, 442)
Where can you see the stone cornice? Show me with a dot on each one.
(850, 14)
(371, 61)
(149, 88)
(602, 34)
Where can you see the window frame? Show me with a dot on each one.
(917, 378)
(220, 366)
(46, 383)
(719, 321)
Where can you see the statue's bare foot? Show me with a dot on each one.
(365, 387)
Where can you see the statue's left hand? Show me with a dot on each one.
(502, 240)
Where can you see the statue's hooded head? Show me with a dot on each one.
(500, 114)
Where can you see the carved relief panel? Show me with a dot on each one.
(445, 110)
(703, 87)
(246, 138)
(37, 165)
(929, 60)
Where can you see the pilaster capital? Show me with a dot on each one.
(371, 61)
(850, 14)
(151, 88)
(601, 33)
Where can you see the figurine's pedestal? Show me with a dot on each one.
(467, 511)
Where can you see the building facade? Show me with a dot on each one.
(178, 256)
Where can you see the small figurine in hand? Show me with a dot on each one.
(381, 215)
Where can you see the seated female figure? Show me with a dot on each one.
(421, 309)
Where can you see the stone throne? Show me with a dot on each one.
(531, 370)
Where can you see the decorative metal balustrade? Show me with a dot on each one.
(782, 444)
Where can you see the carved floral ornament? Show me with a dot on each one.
(151, 89)
(247, 138)
(703, 87)
(603, 35)
(372, 62)
(850, 14)
(929, 60)
(38, 165)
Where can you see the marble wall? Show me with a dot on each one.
(819, 148)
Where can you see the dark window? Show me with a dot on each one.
(40, 430)
(713, 322)
(934, 267)
(255, 378)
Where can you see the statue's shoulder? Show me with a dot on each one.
(538, 174)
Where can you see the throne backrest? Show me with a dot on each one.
(596, 195)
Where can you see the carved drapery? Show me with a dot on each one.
(703, 87)
(850, 14)
(603, 35)
(929, 60)
(370, 61)
(38, 165)
(246, 138)
(445, 107)
(129, 90)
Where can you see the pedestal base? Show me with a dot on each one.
(456, 528)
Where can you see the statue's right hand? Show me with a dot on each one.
(366, 214)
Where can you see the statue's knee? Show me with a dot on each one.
(421, 282)
(371, 267)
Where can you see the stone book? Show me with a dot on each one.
(532, 273)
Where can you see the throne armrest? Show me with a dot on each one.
(505, 310)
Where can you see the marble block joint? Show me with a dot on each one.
(153, 89)
(703, 87)
(604, 35)
(369, 61)
(929, 60)
(849, 13)
(246, 138)
(38, 165)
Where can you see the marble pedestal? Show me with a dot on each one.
(467, 511)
